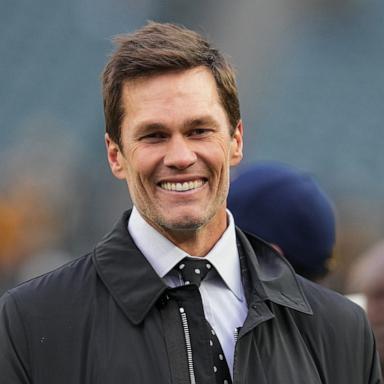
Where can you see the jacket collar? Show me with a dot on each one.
(136, 287)
(271, 276)
(125, 271)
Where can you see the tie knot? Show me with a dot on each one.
(193, 271)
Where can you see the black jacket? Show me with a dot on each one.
(108, 318)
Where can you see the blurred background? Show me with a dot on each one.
(311, 82)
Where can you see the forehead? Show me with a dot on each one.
(172, 96)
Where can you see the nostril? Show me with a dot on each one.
(180, 157)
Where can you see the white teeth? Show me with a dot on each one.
(182, 187)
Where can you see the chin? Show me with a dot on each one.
(186, 222)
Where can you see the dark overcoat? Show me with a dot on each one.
(107, 318)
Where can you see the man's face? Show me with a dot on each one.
(176, 150)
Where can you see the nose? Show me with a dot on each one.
(179, 154)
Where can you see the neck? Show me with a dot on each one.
(200, 241)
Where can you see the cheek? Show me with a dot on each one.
(217, 155)
(220, 169)
(141, 162)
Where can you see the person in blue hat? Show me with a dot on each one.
(289, 209)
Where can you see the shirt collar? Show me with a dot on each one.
(225, 258)
(163, 255)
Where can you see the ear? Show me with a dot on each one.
(237, 145)
(115, 157)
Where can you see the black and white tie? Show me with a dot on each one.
(193, 271)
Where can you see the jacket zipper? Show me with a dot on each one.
(188, 345)
(236, 335)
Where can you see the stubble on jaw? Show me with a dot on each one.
(196, 237)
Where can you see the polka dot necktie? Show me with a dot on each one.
(193, 272)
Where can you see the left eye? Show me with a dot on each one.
(199, 131)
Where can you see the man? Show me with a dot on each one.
(289, 209)
(366, 277)
(128, 312)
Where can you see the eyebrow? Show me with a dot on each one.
(200, 122)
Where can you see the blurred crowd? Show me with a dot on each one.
(366, 279)
(31, 230)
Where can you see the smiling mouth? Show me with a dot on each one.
(182, 187)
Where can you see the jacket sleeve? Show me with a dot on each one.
(13, 344)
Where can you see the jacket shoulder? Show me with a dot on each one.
(338, 333)
(329, 304)
(53, 286)
(334, 318)
(47, 307)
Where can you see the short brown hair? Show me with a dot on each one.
(158, 48)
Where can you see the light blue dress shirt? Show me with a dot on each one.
(222, 293)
